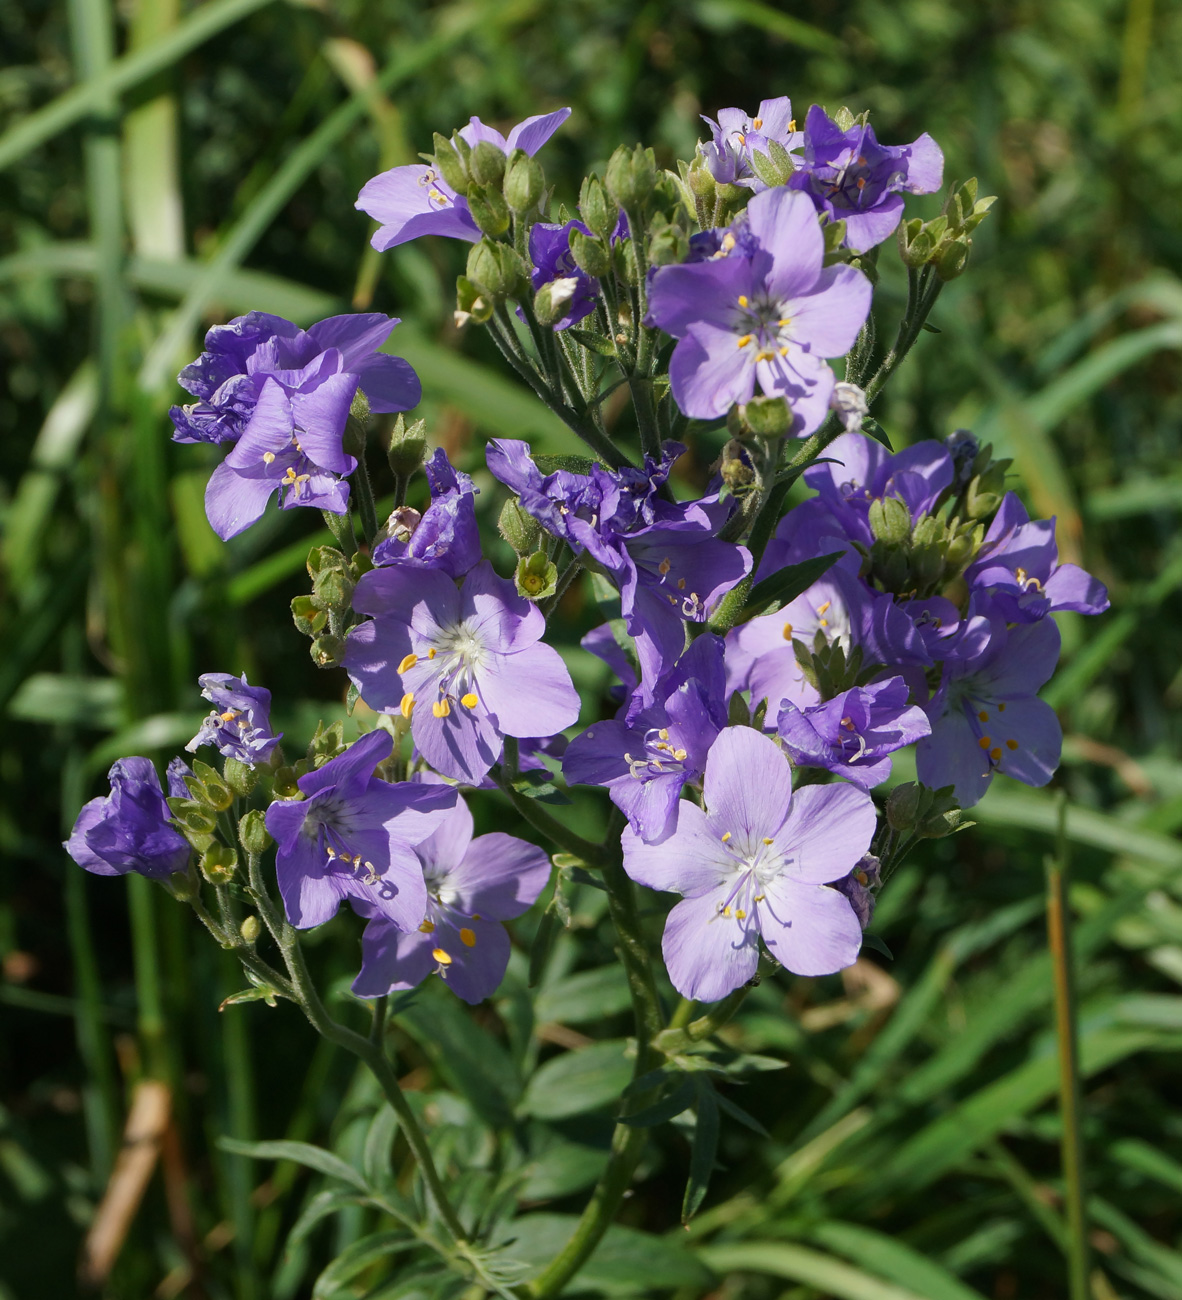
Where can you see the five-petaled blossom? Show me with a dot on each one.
(473, 885)
(240, 724)
(853, 178)
(758, 862)
(736, 136)
(353, 836)
(129, 829)
(415, 200)
(467, 666)
(770, 318)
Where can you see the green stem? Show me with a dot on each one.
(628, 1140)
(365, 499)
(595, 855)
(923, 290)
(341, 527)
(677, 1039)
(1067, 1033)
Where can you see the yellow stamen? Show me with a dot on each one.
(783, 352)
(995, 754)
(740, 915)
(768, 840)
(268, 457)
(1001, 708)
(680, 584)
(742, 300)
(824, 609)
(229, 715)
(441, 708)
(468, 937)
(408, 662)
(985, 742)
(432, 653)
(726, 911)
(428, 927)
(784, 320)
(664, 567)
(787, 631)
(792, 125)
(663, 733)
(443, 958)
(406, 706)
(983, 716)
(746, 338)
(726, 837)
(757, 123)
(469, 701)
(1011, 744)
(765, 354)
(679, 755)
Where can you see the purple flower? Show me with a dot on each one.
(853, 734)
(229, 376)
(445, 536)
(755, 864)
(986, 717)
(240, 725)
(353, 836)
(415, 200)
(472, 886)
(840, 609)
(466, 666)
(853, 178)
(1018, 570)
(645, 761)
(860, 887)
(549, 252)
(736, 136)
(770, 318)
(129, 829)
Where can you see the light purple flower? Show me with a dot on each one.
(986, 716)
(757, 863)
(1017, 570)
(735, 136)
(229, 376)
(853, 734)
(353, 836)
(853, 178)
(466, 666)
(240, 725)
(129, 829)
(472, 886)
(415, 200)
(445, 536)
(645, 761)
(768, 319)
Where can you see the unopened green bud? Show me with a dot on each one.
(553, 300)
(890, 520)
(631, 177)
(472, 303)
(192, 817)
(212, 789)
(327, 650)
(844, 119)
(952, 259)
(903, 806)
(890, 564)
(407, 446)
(536, 576)
(489, 210)
(252, 826)
(518, 527)
(332, 590)
(285, 784)
(927, 564)
(450, 164)
(599, 215)
(308, 619)
(250, 929)
(496, 269)
(589, 254)
(524, 182)
(668, 246)
(218, 864)
(324, 557)
(486, 164)
(916, 252)
(625, 262)
(767, 417)
(240, 777)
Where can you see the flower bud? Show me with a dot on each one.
(308, 619)
(489, 210)
(536, 576)
(327, 650)
(598, 214)
(210, 788)
(192, 817)
(952, 259)
(250, 929)
(552, 301)
(495, 269)
(767, 417)
(407, 447)
(450, 164)
(524, 182)
(218, 864)
(252, 828)
(625, 261)
(285, 785)
(486, 164)
(668, 246)
(332, 590)
(916, 251)
(589, 254)
(324, 557)
(240, 777)
(518, 527)
(890, 520)
(631, 177)
(472, 304)
(903, 806)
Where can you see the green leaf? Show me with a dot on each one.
(375, 1160)
(303, 1153)
(737, 1112)
(627, 1263)
(799, 1264)
(78, 701)
(589, 995)
(678, 1101)
(318, 1209)
(702, 1154)
(893, 1259)
(548, 930)
(578, 1081)
(358, 1257)
(562, 1169)
(783, 587)
(1148, 1160)
(572, 464)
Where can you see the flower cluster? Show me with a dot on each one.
(769, 669)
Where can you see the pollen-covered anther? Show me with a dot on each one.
(1011, 744)
(765, 354)
(995, 754)
(469, 701)
(680, 584)
(663, 733)
(664, 567)
(406, 706)
(745, 339)
(679, 755)
(787, 631)
(743, 300)
(268, 457)
(983, 716)
(726, 837)
(408, 662)
(848, 724)
(432, 653)
(767, 839)
(985, 742)
(229, 715)
(442, 957)
(427, 927)
(468, 937)
(740, 915)
(441, 708)
(757, 123)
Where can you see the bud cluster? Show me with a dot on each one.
(944, 242)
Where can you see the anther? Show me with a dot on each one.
(995, 754)
(468, 937)
(740, 915)
(427, 927)
(441, 708)
(1011, 744)
(746, 338)
(406, 706)
(768, 840)
(443, 958)
(408, 662)
(268, 457)
(432, 653)
(469, 701)
(757, 123)
(663, 733)
(985, 742)
(983, 716)
(726, 837)
(743, 300)
(664, 567)
(787, 631)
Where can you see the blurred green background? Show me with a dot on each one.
(168, 165)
